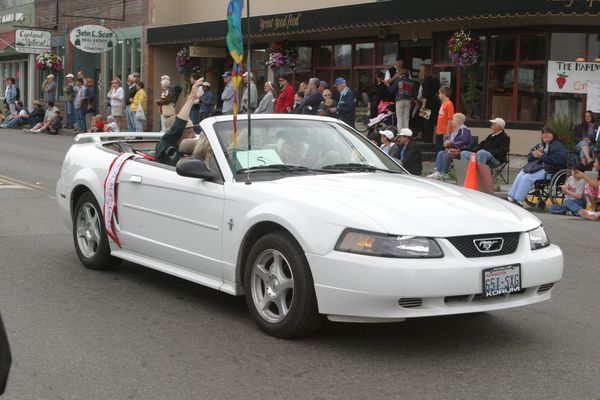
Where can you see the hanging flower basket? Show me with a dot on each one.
(187, 65)
(48, 61)
(282, 55)
(464, 49)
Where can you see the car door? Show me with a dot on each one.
(171, 218)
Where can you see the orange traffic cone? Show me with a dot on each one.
(471, 178)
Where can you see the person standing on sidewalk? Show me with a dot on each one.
(404, 91)
(249, 84)
(285, 100)
(445, 115)
(130, 95)
(69, 95)
(346, 106)
(77, 103)
(227, 95)
(49, 89)
(116, 95)
(10, 94)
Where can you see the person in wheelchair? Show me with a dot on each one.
(494, 149)
(544, 159)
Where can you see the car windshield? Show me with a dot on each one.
(300, 146)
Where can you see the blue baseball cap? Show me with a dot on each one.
(323, 84)
(339, 81)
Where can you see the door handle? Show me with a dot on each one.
(135, 179)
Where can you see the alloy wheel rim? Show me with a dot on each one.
(88, 230)
(272, 286)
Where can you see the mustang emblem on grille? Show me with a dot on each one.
(491, 245)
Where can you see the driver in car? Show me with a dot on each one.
(167, 149)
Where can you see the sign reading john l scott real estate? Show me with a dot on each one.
(93, 38)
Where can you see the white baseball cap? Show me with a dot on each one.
(387, 133)
(498, 121)
(406, 132)
(205, 84)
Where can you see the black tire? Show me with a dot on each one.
(541, 205)
(91, 244)
(267, 287)
(556, 195)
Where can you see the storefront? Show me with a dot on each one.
(517, 40)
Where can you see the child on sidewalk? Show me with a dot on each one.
(573, 190)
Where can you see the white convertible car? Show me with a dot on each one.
(309, 221)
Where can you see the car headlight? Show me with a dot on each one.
(382, 245)
(538, 238)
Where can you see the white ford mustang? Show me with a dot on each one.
(310, 220)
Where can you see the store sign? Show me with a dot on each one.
(279, 23)
(208, 52)
(93, 38)
(8, 18)
(33, 42)
(571, 76)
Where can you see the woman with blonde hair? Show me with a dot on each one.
(165, 103)
(267, 103)
(116, 97)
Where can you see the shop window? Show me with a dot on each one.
(442, 56)
(364, 54)
(472, 92)
(342, 54)
(531, 93)
(362, 85)
(387, 53)
(567, 46)
(500, 89)
(532, 47)
(325, 53)
(594, 47)
(447, 77)
(503, 48)
(567, 104)
(304, 62)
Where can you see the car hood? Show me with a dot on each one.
(403, 204)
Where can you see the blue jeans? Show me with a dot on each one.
(195, 118)
(439, 142)
(523, 184)
(573, 205)
(70, 110)
(13, 122)
(443, 160)
(81, 120)
(482, 157)
(130, 119)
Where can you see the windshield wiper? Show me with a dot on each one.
(359, 167)
(280, 168)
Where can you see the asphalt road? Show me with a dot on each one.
(140, 334)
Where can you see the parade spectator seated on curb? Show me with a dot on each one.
(494, 149)
(45, 124)
(387, 144)
(544, 159)
(5, 113)
(167, 149)
(410, 154)
(586, 136)
(111, 124)
(591, 191)
(574, 193)
(19, 117)
(460, 139)
(97, 123)
(37, 114)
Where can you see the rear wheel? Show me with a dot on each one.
(91, 241)
(279, 288)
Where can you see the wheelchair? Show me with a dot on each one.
(548, 189)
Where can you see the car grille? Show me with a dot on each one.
(410, 302)
(544, 288)
(467, 247)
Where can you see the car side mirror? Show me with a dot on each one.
(194, 168)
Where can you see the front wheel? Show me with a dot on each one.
(279, 288)
(91, 241)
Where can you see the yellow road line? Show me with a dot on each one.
(18, 182)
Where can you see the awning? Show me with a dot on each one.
(375, 14)
(7, 39)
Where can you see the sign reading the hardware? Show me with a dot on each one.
(93, 38)
(571, 76)
(34, 42)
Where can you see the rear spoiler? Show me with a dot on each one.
(98, 137)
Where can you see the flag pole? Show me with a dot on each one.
(249, 61)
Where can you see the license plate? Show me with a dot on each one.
(501, 280)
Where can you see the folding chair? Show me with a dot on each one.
(498, 171)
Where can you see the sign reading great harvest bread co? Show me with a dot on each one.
(93, 38)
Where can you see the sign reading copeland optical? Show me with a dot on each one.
(571, 76)
(34, 42)
(93, 38)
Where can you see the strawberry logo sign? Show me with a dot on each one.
(561, 80)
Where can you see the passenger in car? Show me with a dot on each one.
(167, 147)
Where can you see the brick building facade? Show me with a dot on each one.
(126, 18)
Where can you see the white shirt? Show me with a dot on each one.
(116, 97)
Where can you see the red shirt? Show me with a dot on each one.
(285, 100)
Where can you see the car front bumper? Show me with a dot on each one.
(357, 288)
